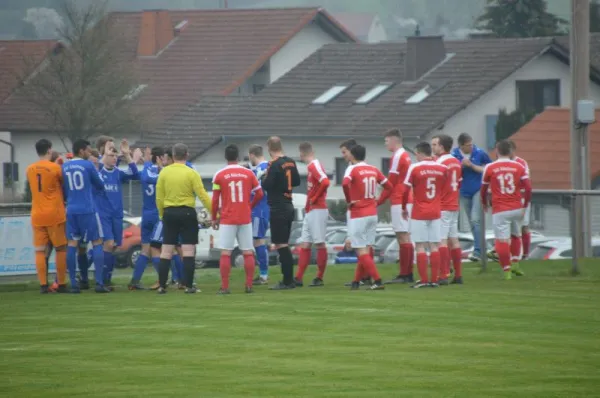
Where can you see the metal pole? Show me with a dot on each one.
(579, 38)
(574, 235)
(12, 167)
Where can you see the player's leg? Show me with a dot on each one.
(76, 228)
(188, 235)
(420, 235)
(526, 233)
(370, 234)
(444, 251)
(502, 234)
(95, 233)
(83, 264)
(227, 235)
(108, 244)
(433, 239)
(515, 243)
(281, 226)
(246, 245)
(170, 233)
(40, 244)
(305, 248)
(455, 249)
(401, 228)
(58, 238)
(156, 242)
(177, 266)
(259, 230)
(147, 226)
(318, 236)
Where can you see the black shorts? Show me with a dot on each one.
(281, 223)
(180, 225)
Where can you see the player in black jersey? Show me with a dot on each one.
(280, 179)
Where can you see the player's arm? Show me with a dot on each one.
(323, 184)
(295, 176)
(201, 192)
(270, 176)
(485, 183)
(257, 190)
(132, 173)
(160, 196)
(346, 187)
(485, 159)
(408, 184)
(216, 197)
(95, 177)
(526, 185)
(65, 189)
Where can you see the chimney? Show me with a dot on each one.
(156, 32)
(422, 54)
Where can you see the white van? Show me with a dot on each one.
(207, 251)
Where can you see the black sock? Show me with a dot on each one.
(163, 272)
(189, 267)
(287, 264)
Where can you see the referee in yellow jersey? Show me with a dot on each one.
(176, 191)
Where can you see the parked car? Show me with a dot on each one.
(127, 254)
(559, 249)
(383, 241)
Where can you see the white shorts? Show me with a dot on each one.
(314, 227)
(507, 223)
(527, 216)
(362, 231)
(399, 224)
(422, 231)
(449, 227)
(229, 233)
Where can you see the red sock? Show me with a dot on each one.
(435, 260)
(411, 260)
(515, 248)
(303, 260)
(526, 244)
(503, 250)
(359, 272)
(370, 266)
(321, 262)
(405, 249)
(422, 267)
(444, 262)
(225, 268)
(364, 271)
(249, 265)
(456, 255)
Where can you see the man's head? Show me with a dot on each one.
(158, 155)
(180, 152)
(358, 153)
(393, 140)
(275, 147)
(465, 143)
(345, 148)
(82, 149)
(54, 156)
(232, 153)
(423, 151)
(255, 154)
(101, 143)
(306, 152)
(43, 148)
(110, 158)
(504, 149)
(441, 144)
(347, 245)
(169, 157)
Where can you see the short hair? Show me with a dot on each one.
(393, 133)
(43, 146)
(349, 143)
(157, 152)
(464, 138)
(102, 140)
(504, 147)
(424, 148)
(80, 145)
(305, 147)
(513, 145)
(256, 150)
(445, 141)
(180, 151)
(95, 153)
(274, 144)
(359, 152)
(232, 153)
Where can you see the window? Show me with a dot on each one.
(535, 95)
(373, 93)
(385, 166)
(256, 88)
(419, 96)
(340, 170)
(9, 176)
(330, 94)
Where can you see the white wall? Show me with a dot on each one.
(472, 119)
(303, 44)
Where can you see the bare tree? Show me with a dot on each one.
(85, 88)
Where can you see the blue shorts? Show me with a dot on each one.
(147, 227)
(260, 226)
(112, 229)
(86, 227)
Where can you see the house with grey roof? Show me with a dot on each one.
(425, 86)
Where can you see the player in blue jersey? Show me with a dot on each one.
(80, 177)
(150, 218)
(110, 205)
(260, 217)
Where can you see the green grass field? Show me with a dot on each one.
(536, 336)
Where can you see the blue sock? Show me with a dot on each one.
(72, 265)
(174, 271)
(109, 264)
(84, 266)
(155, 263)
(262, 254)
(140, 267)
(98, 256)
(178, 270)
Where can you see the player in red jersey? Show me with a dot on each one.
(360, 189)
(525, 232)
(427, 179)
(233, 186)
(399, 165)
(449, 245)
(314, 227)
(506, 178)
